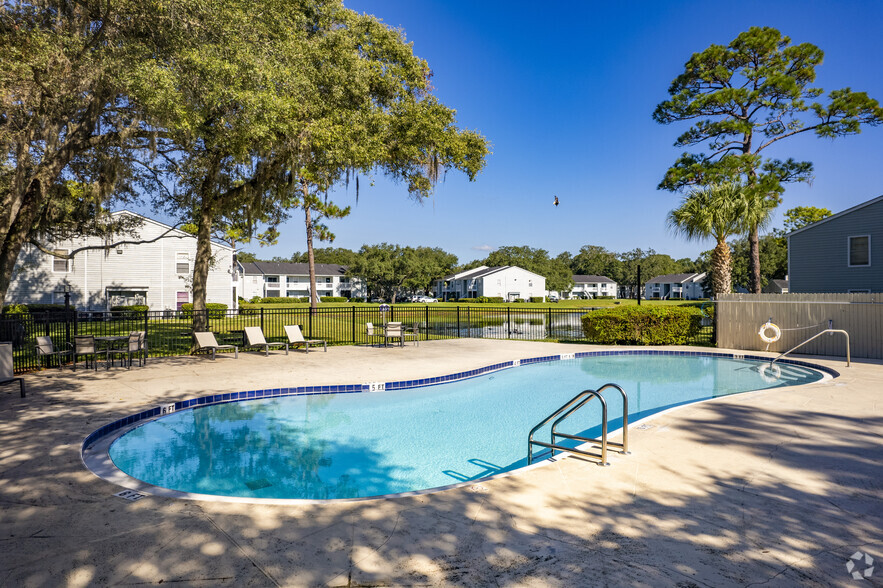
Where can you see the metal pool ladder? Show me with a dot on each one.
(568, 409)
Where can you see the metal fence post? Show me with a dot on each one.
(353, 313)
(310, 323)
(458, 322)
(508, 323)
(262, 318)
(549, 325)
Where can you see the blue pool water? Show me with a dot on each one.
(368, 444)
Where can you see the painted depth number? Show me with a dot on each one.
(376, 386)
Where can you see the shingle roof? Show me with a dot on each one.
(274, 268)
(579, 279)
(672, 279)
(478, 273)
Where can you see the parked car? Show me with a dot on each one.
(426, 299)
(553, 298)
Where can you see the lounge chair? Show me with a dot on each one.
(295, 338)
(205, 341)
(254, 337)
(394, 331)
(85, 345)
(6, 369)
(45, 348)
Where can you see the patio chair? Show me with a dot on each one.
(45, 348)
(413, 333)
(394, 331)
(133, 347)
(6, 368)
(254, 337)
(295, 338)
(85, 345)
(205, 341)
(373, 333)
(141, 351)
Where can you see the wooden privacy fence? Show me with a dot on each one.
(800, 316)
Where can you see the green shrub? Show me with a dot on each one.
(132, 307)
(518, 300)
(32, 308)
(642, 325)
(255, 300)
(215, 309)
(603, 297)
(15, 309)
(333, 299)
(488, 300)
(537, 299)
(282, 300)
(358, 300)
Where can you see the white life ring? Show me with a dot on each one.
(770, 372)
(768, 326)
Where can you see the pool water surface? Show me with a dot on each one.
(332, 446)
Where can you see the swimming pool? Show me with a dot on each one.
(412, 438)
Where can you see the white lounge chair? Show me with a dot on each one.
(254, 337)
(295, 338)
(205, 340)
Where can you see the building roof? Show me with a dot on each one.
(277, 268)
(838, 215)
(178, 232)
(675, 278)
(485, 271)
(578, 279)
(780, 283)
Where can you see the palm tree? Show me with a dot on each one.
(759, 205)
(718, 212)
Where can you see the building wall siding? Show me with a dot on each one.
(819, 256)
(147, 267)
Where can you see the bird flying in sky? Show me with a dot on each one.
(556, 201)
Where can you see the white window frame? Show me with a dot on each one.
(849, 251)
(182, 257)
(67, 262)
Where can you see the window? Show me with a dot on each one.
(182, 298)
(327, 280)
(860, 251)
(182, 263)
(127, 297)
(272, 279)
(60, 265)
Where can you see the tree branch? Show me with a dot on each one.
(108, 246)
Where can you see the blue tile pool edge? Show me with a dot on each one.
(225, 397)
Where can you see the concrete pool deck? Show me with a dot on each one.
(778, 487)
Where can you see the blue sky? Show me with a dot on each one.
(564, 92)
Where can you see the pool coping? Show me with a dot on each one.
(94, 451)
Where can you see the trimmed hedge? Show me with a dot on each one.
(281, 300)
(642, 325)
(44, 307)
(537, 299)
(16, 309)
(332, 299)
(132, 307)
(215, 309)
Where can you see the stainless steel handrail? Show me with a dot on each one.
(625, 420)
(569, 408)
(813, 337)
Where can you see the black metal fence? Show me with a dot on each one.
(171, 332)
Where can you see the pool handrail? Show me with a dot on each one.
(819, 334)
(625, 420)
(570, 406)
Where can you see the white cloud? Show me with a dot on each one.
(482, 248)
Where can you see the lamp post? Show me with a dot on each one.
(66, 290)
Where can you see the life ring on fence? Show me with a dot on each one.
(769, 372)
(767, 326)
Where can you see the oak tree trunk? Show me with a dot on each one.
(754, 261)
(311, 259)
